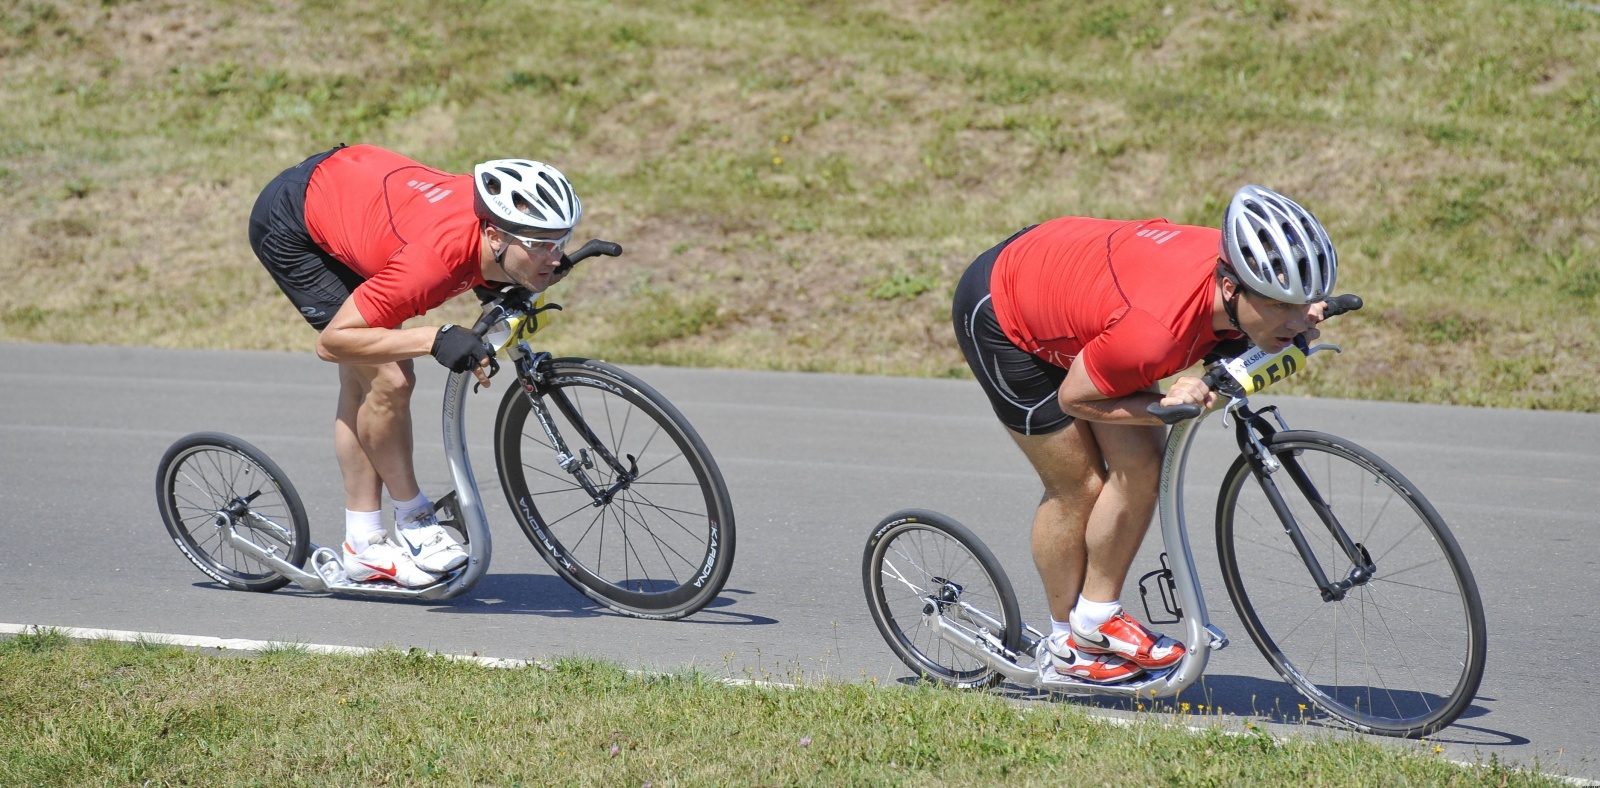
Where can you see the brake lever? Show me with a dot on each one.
(494, 367)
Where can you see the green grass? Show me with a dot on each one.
(798, 185)
(108, 713)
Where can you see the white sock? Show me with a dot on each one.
(363, 528)
(1059, 629)
(1088, 616)
(405, 510)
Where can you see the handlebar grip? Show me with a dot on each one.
(1172, 414)
(593, 247)
(1340, 304)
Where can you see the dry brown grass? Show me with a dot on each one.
(798, 187)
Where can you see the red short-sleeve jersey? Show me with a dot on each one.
(409, 230)
(1132, 300)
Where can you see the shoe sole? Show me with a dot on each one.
(451, 567)
(1090, 680)
(1173, 660)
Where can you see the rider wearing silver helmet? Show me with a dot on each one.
(1275, 248)
(1068, 327)
(520, 196)
(362, 239)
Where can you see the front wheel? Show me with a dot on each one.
(918, 563)
(1402, 653)
(206, 474)
(653, 535)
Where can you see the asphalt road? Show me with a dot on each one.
(813, 462)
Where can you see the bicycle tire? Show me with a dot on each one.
(931, 546)
(674, 522)
(201, 474)
(1400, 655)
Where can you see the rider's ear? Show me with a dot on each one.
(496, 239)
(1229, 287)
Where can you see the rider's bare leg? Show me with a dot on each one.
(1122, 513)
(372, 433)
(1100, 486)
(1068, 462)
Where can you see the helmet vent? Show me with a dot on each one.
(521, 204)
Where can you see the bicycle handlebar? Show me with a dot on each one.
(1218, 375)
(498, 302)
(593, 247)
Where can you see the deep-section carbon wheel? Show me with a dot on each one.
(917, 561)
(657, 546)
(1402, 653)
(206, 473)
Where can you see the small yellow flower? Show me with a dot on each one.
(777, 161)
(784, 138)
(1184, 708)
(1437, 749)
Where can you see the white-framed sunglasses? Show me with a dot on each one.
(550, 246)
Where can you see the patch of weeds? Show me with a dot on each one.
(1444, 328)
(1106, 21)
(904, 283)
(1467, 206)
(540, 82)
(1450, 133)
(1276, 10)
(66, 226)
(631, 35)
(39, 641)
(1572, 275)
(657, 317)
(24, 317)
(285, 650)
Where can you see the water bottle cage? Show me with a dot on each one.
(1168, 591)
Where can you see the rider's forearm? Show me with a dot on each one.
(368, 345)
(1129, 410)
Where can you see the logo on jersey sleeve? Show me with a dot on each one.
(1159, 236)
(430, 191)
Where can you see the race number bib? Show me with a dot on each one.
(1258, 369)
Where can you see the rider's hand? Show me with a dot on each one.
(458, 350)
(1189, 391)
(1314, 315)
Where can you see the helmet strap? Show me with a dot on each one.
(1231, 305)
(500, 254)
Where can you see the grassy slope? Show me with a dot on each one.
(105, 713)
(799, 184)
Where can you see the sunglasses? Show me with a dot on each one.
(551, 246)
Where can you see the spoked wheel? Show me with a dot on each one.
(1402, 653)
(917, 561)
(654, 540)
(208, 473)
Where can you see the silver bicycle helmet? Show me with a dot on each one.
(1276, 248)
(521, 195)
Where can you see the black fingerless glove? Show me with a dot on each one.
(457, 349)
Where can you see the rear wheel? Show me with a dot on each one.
(916, 561)
(656, 545)
(1402, 653)
(208, 473)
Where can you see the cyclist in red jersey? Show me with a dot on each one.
(362, 239)
(1069, 326)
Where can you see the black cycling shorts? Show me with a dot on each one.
(315, 282)
(1022, 388)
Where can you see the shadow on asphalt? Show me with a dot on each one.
(532, 595)
(1221, 696)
